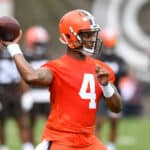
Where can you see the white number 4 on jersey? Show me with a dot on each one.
(88, 79)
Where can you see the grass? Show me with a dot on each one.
(133, 134)
(12, 133)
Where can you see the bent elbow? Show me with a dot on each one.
(30, 79)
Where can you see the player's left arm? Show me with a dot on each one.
(111, 94)
(114, 102)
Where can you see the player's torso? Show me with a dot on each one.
(74, 92)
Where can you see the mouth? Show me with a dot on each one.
(89, 45)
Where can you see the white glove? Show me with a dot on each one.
(26, 101)
(42, 146)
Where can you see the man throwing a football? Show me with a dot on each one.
(76, 82)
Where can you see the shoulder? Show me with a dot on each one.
(54, 63)
(101, 63)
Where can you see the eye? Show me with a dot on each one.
(88, 34)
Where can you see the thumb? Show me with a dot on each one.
(97, 68)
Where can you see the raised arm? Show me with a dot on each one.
(39, 77)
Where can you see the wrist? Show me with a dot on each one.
(107, 90)
(14, 49)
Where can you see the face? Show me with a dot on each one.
(89, 40)
(88, 43)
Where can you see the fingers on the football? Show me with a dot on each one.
(19, 37)
(99, 69)
(102, 73)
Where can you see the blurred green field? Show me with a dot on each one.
(134, 134)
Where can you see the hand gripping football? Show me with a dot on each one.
(9, 28)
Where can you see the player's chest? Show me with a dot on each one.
(81, 77)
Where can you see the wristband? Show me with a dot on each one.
(107, 90)
(14, 49)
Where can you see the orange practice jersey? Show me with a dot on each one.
(75, 93)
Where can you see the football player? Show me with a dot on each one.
(76, 82)
(109, 38)
(35, 100)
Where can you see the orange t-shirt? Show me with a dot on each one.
(75, 93)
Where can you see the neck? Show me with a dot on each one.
(75, 53)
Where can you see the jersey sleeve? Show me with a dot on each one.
(54, 66)
(50, 65)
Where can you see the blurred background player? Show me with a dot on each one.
(132, 93)
(35, 101)
(10, 93)
(109, 39)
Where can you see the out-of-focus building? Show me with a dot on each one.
(7, 7)
(131, 19)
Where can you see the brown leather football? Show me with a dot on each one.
(9, 28)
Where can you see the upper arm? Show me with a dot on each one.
(41, 77)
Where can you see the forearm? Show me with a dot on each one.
(112, 98)
(39, 77)
(25, 69)
(114, 103)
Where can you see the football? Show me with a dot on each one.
(9, 28)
